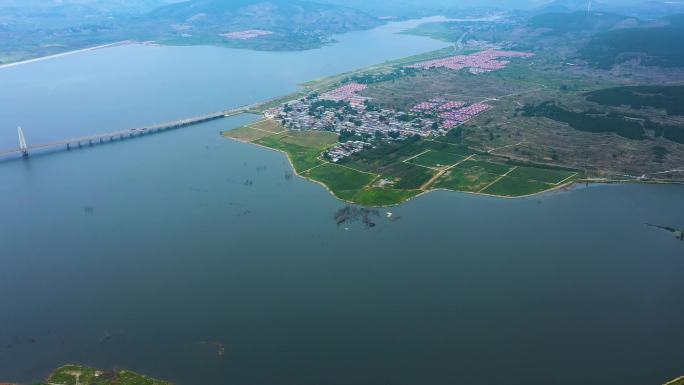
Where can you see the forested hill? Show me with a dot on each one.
(290, 24)
(580, 22)
(280, 15)
(659, 44)
(37, 28)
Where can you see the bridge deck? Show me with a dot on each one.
(133, 131)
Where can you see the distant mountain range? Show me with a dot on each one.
(645, 9)
(659, 43)
(292, 23)
(606, 39)
(30, 28)
(581, 22)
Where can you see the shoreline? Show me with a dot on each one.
(67, 53)
(294, 170)
(565, 186)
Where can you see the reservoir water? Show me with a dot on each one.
(152, 253)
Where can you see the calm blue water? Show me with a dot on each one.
(135, 85)
(140, 254)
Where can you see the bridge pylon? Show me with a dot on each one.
(22, 143)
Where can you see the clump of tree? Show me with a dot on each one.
(586, 120)
(346, 135)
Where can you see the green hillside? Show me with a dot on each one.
(579, 22)
(653, 46)
(670, 98)
(293, 24)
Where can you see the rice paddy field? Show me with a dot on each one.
(393, 172)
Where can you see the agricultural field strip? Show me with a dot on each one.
(565, 180)
(316, 166)
(506, 146)
(407, 161)
(353, 169)
(415, 156)
(267, 131)
(441, 172)
(324, 162)
(497, 179)
(423, 166)
(450, 144)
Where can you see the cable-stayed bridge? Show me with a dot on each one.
(24, 148)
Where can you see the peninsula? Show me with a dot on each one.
(449, 120)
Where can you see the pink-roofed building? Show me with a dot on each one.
(246, 35)
(346, 92)
(477, 63)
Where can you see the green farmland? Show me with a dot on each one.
(393, 172)
(435, 159)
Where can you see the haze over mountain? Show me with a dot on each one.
(40, 28)
(32, 28)
(275, 15)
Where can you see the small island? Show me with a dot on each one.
(83, 375)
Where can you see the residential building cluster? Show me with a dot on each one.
(451, 105)
(452, 113)
(343, 111)
(425, 106)
(345, 93)
(477, 63)
(246, 35)
(337, 111)
(348, 148)
(343, 116)
(451, 119)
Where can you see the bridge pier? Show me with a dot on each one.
(90, 142)
(68, 147)
(79, 144)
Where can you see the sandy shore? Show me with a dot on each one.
(29, 61)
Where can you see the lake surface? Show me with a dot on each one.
(145, 254)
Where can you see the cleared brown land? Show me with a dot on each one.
(540, 139)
